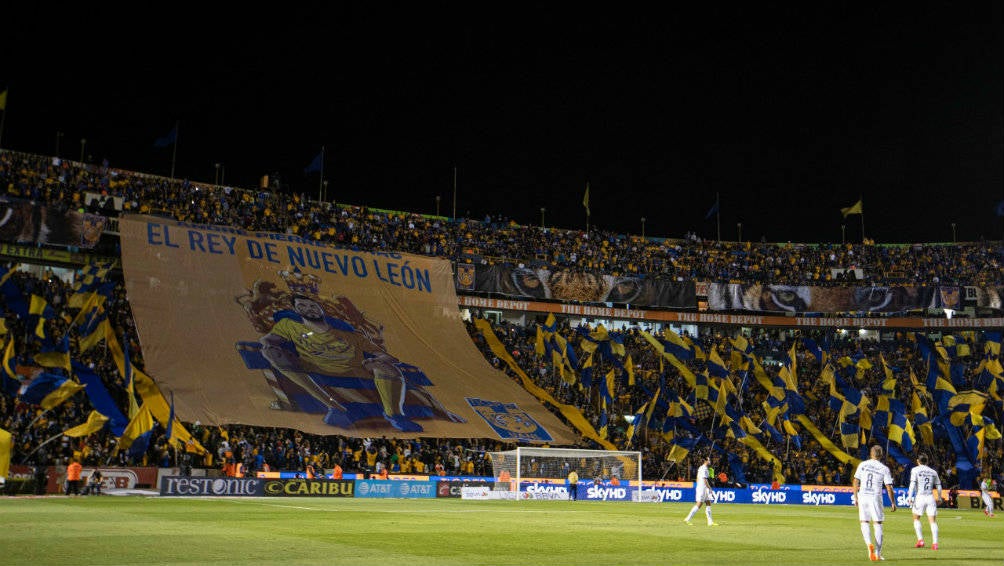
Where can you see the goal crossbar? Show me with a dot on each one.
(552, 465)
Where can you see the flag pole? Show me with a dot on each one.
(320, 183)
(3, 115)
(27, 458)
(174, 149)
(454, 193)
(861, 200)
(718, 216)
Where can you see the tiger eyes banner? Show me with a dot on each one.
(576, 285)
(799, 299)
(270, 329)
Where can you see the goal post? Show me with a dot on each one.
(511, 468)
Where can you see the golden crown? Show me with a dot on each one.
(298, 282)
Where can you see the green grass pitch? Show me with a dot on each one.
(377, 532)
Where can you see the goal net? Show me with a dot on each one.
(512, 468)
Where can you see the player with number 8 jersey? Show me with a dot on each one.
(870, 478)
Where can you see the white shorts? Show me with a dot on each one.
(925, 505)
(705, 496)
(870, 509)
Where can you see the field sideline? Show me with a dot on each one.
(261, 531)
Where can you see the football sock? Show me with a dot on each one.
(878, 538)
(707, 511)
(917, 529)
(934, 533)
(692, 511)
(866, 532)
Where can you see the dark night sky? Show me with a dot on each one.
(789, 114)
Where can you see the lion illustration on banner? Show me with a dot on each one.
(323, 355)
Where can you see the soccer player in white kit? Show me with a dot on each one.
(703, 496)
(924, 483)
(869, 479)
(986, 486)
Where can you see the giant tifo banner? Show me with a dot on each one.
(575, 285)
(273, 330)
(796, 298)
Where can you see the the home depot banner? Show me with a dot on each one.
(274, 330)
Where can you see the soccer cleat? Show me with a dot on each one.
(688, 522)
(920, 544)
(871, 553)
(712, 524)
(934, 546)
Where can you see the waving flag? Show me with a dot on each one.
(962, 404)
(855, 208)
(136, 436)
(130, 379)
(681, 446)
(713, 210)
(716, 366)
(11, 381)
(6, 446)
(49, 390)
(317, 165)
(170, 423)
(38, 314)
(900, 428)
(167, 139)
(923, 421)
(99, 397)
(90, 280)
(95, 422)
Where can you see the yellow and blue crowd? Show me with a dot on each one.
(491, 240)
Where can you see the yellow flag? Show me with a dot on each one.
(95, 422)
(3, 100)
(855, 208)
(142, 423)
(6, 444)
(585, 199)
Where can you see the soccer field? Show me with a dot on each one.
(257, 531)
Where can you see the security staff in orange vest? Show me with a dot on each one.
(73, 477)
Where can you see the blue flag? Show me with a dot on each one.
(713, 210)
(135, 437)
(99, 397)
(50, 389)
(170, 420)
(168, 139)
(1000, 208)
(317, 164)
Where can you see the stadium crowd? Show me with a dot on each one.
(248, 449)
(495, 239)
